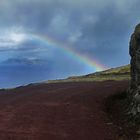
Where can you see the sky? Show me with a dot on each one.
(60, 38)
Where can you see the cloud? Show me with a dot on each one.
(99, 29)
(94, 27)
(11, 38)
(74, 37)
(24, 61)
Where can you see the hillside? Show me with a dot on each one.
(117, 74)
(67, 110)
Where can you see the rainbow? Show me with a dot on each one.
(97, 66)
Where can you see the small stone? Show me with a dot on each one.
(138, 132)
(120, 128)
(121, 138)
(109, 123)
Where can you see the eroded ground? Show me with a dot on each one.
(61, 111)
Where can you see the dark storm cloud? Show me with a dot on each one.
(92, 27)
(98, 29)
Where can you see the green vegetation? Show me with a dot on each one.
(120, 73)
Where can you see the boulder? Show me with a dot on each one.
(134, 51)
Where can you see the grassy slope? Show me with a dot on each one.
(120, 73)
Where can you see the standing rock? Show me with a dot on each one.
(134, 51)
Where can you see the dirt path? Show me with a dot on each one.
(64, 111)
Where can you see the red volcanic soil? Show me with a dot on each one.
(61, 111)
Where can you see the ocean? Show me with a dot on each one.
(18, 75)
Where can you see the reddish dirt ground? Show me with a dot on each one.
(62, 111)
